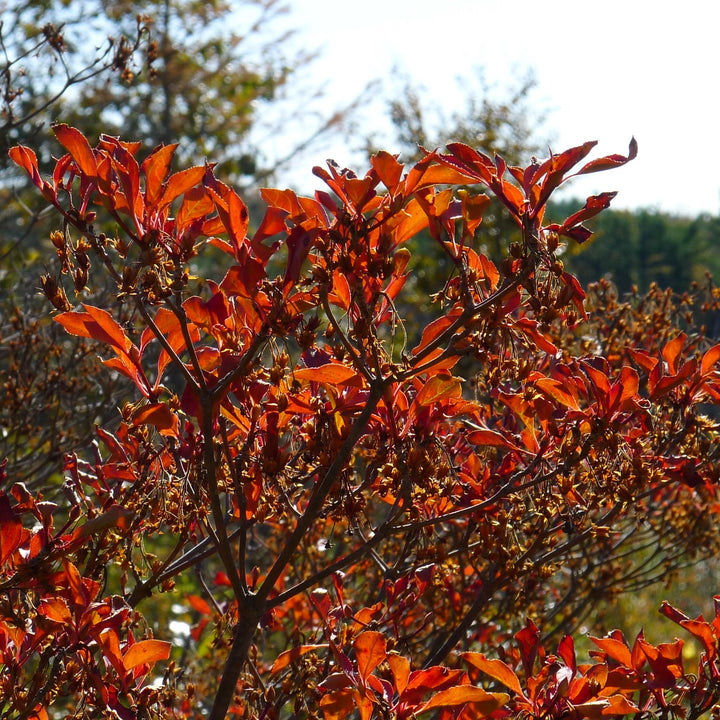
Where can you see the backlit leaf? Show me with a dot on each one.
(179, 183)
(370, 651)
(482, 701)
(78, 147)
(156, 167)
(146, 652)
(11, 529)
(388, 168)
(610, 161)
(439, 387)
(496, 669)
(332, 373)
(709, 360)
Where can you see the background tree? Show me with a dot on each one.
(635, 248)
(368, 529)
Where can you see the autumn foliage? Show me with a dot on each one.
(351, 521)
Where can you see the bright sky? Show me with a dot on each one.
(605, 71)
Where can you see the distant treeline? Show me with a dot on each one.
(639, 247)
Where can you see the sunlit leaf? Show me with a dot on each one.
(370, 651)
(481, 700)
(78, 147)
(146, 652)
(439, 387)
(496, 669)
(332, 373)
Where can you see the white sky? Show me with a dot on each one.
(605, 70)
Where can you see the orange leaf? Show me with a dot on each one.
(709, 360)
(115, 516)
(616, 649)
(110, 644)
(78, 147)
(489, 438)
(199, 604)
(438, 388)
(96, 324)
(26, 159)
(370, 651)
(180, 183)
(156, 167)
(196, 203)
(496, 669)
(672, 350)
(290, 656)
(339, 704)
(388, 168)
(332, 373)
(620, 705)
(108, 325)
(557, 391)
(146, 652)
(400, 667)
(481, 700)
(341, 291)
(157, 414)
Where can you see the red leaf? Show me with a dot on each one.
(557, 167)
(593, 205)
(566, 650)
(489, 438)
(610, 161)
(78, 147)
(299, 242)
(146, 652)
(528, 640)
(11, 529)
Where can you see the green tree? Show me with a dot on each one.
(635, 248)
